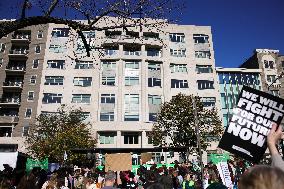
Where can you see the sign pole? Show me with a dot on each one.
(198, 138)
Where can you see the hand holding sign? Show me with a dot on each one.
(273, 139)
(252, 119)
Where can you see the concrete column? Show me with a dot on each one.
(119, 139)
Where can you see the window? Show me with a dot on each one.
(131, 107)
(107, 107)
(178, 52)
(208, 101)
(86, 115)
(1, 62)
(178, 68)
(89, 34)
(131, 138)
(154, 66)
(58, 64)
(200, 38)
(57, 48)
(204, 69)
(33, 79)
(35, 63)
(108, 98)
(82, 81)
(26, 130)
(131, 73)
(154, 52)
(150, 139)
(2, 47)
(154, 82)
(130, 81)
(84, 65)
(202, 54)
(268, 64)
(31, 95)
(274, 92)
(60, 32)
(49, 98)
(106, 65)
(177, 37)
(81, 98)
(154, 99)
(179, 83)
(53, 80)
(107, 116)
(37, 49)
(39, 34)
(282, 64)
(107, 138)
(110, 81)
(205, 84)
(28, 113)
(271, 78)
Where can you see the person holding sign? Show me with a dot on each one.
(273, 139)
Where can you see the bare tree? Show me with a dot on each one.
(131, 13)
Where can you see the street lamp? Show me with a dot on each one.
(198, 137)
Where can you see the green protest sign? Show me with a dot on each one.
(217, 158)
(31, 163)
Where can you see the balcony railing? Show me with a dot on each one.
(154, 53)
(13, 83)
(16, 68)
(10, 100)
(111, 52)
(22, 36)
(133, 53)
(9, 118)
(19, 51)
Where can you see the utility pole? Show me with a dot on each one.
(198, 138)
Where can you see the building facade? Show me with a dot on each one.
(231, 81)
(269, 62)
(119, 87)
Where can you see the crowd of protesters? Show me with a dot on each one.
(181, 176)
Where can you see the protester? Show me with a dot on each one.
(109, 180)
(273, 139)
(262, 177)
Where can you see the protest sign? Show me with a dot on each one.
(31, 163)
(146, 157)
(118, 162)
(224, 173)
(252, 119)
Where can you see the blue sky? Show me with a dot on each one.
(238, 26)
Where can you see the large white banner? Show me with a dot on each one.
(224, 173)
(9, 158)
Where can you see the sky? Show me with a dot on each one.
(238, 26)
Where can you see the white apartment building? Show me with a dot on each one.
(121, 86)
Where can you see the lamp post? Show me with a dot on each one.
(198, 137)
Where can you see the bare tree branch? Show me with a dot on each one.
(51, 8)
(23, 15)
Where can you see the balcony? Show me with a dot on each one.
(26, 38)
(21, 53)
(12, 85)
(9, 119)
(132, 53)
(111, 53)
(15, 70)
(10, 101)
(6, 131)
